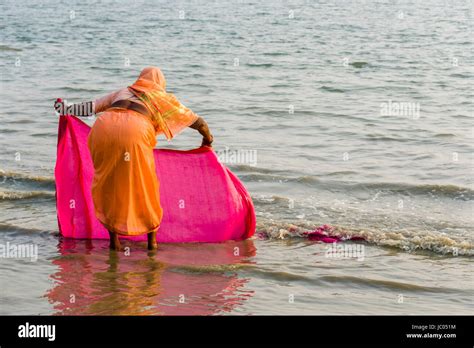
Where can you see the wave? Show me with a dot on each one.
(8, 48)
(444, 135)
(267, 229)
(388, 284)
(332, 89)
(80, 89)
(342, 172)
(35, 182)
(275, 54)
(212, 268)
(359, 65)
(259, 65)
(440, 190)
(253, 169)
(373, 137)
(261, 177)
(409, 241)
(252, 173)
(446, 190)
(41, 135)
(6, 130)
(17, 195)
(20, 230)
(5, 175)
(463, 76)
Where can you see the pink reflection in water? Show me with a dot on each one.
(178, 279)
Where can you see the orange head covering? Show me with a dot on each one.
(167, 113)
(150, 78)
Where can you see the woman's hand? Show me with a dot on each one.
(59, 106)
(207, 140)
(201, 126)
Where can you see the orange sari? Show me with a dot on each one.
(125, 189)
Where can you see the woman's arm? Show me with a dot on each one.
(201, 126)
(84, 109)
(87, 108)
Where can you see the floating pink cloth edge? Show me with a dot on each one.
(323, 233)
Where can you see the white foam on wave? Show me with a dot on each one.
(407, 240)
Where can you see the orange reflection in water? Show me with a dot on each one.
(178, 279)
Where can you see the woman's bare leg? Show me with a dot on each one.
(114, 241)
(152, 244)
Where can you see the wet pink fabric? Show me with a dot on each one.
(325, 234)
(202, 200)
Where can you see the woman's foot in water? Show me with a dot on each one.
(152, 244)
(114, 242)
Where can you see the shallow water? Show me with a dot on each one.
(315, 97)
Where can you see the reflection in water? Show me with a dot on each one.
(178, 279)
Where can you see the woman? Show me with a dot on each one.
(125, 189)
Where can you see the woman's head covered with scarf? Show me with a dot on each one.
(167, 113)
